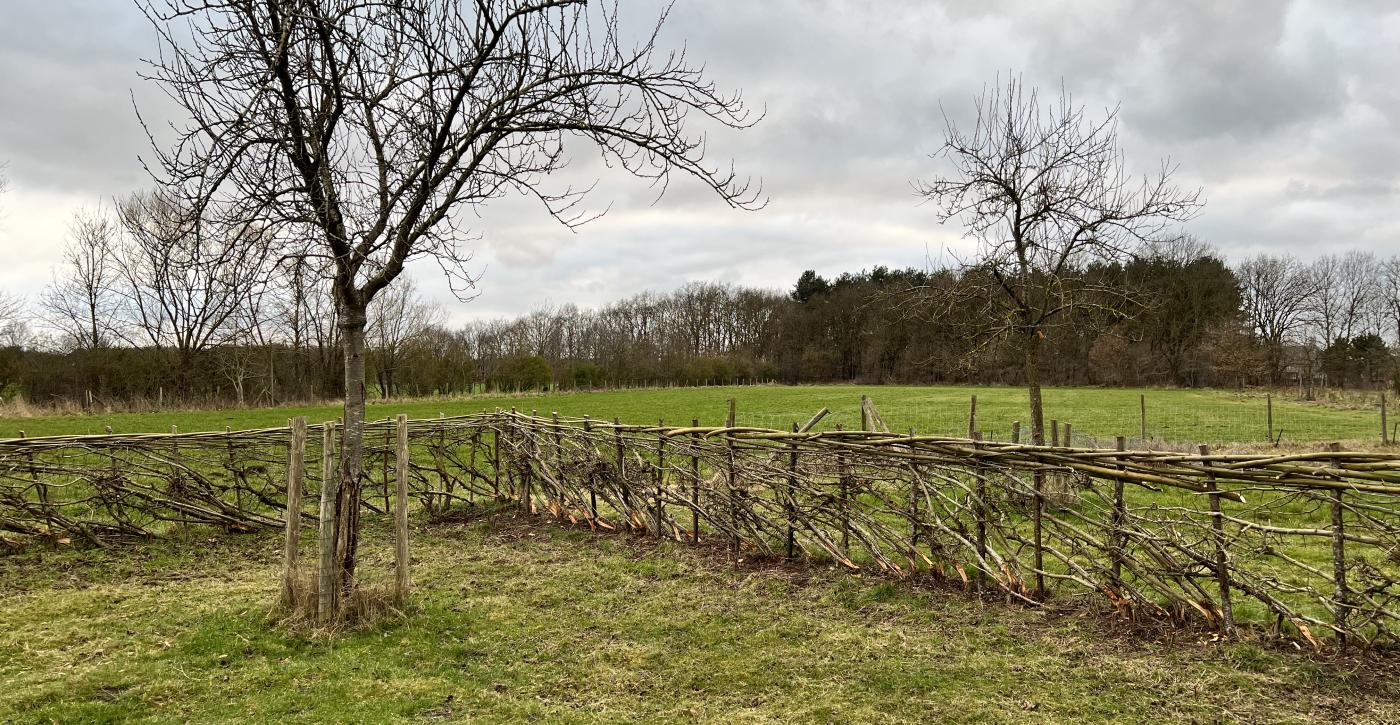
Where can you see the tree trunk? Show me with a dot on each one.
(352, 446)
(1033, 387)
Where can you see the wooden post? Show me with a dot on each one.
(401, 578)
(1037, 512)
(695, 482)
(558, 459)
(731, 480)
(843, 486)
(1222, 567)
(233, 470)
(177, 466)
(1069, 435)
(622, 472)
(496, 459)
(527, 468)
(660, 474)
(1269, 416)
(327, 574)
(1120, 514)
(1054, 433)
(1340, 594)
(592, 484)
(1016, 432)
(1142, 418)
(972, 417)
(1385, 431)
(980, 490)
(790, 504)
(913, 507)
(296, 472)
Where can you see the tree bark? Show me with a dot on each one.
(352, 329)
(1033, 387)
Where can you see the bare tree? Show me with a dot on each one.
(375, 129)
(1276, 292)
(1043, 190)
(395, 317)
(81, 302)
(183, 280)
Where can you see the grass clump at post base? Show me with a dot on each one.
(514, 618)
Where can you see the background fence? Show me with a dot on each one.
(1304, 543)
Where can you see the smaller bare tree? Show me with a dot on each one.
(81, 302)
(1043, 189)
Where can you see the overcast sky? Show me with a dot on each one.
(1287, 114)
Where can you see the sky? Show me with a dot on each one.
(1284, 112)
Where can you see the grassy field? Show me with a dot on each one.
(1174, 415)
(523, 620)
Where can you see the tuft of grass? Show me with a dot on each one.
(514, 619)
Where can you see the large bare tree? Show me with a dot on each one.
(1041, 186)
(368, 132)
(82, 301)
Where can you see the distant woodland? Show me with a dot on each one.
(131, 322)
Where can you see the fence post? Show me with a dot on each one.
(1069, 435)
(496, 459)
(592, 484)
(1269, 416)
(296, 471)
(730, 480)
(330, 486)
(980, 481)
(527, 467)
(972, 417)
(232, 471)
(1340, 595)
(843, 487)
(1054, 433)
(660, 472)
(401, 578)
(1222, 567)
(1037, 509)
(1385, 431)
(1120, 514)
(790, 504)
(1016, 432)
(558, 460)
(1142, 418)
(913, 506)
(622, 472)
(695, 482)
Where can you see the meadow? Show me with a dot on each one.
(1096, 414)
(519, 619)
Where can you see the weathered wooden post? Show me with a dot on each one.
(592, 483)
(1142, 418)
(660, 473)
(1222, 566)
(1037, 511)
(695, 482)
(401, 573)
(496, 457)
(972, 417)
(790, 504)
(980, 491)
(732, 478)
(1118, 541)
(326, 578)
(1054, 433)
(622, 472)
(558, 460)
(1269, 416)
(296, 472)
(1340, 594)
(384, 469)
(1016, 432)
(843, 486)
(1069, 435)
(914, 491)
(1385, 431)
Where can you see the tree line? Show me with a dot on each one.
(128, 320)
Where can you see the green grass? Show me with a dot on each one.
(1207, 416)
(516, 620)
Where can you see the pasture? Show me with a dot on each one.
(517, 619)
(1175, 415)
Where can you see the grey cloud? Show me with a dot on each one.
(1284, 112)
